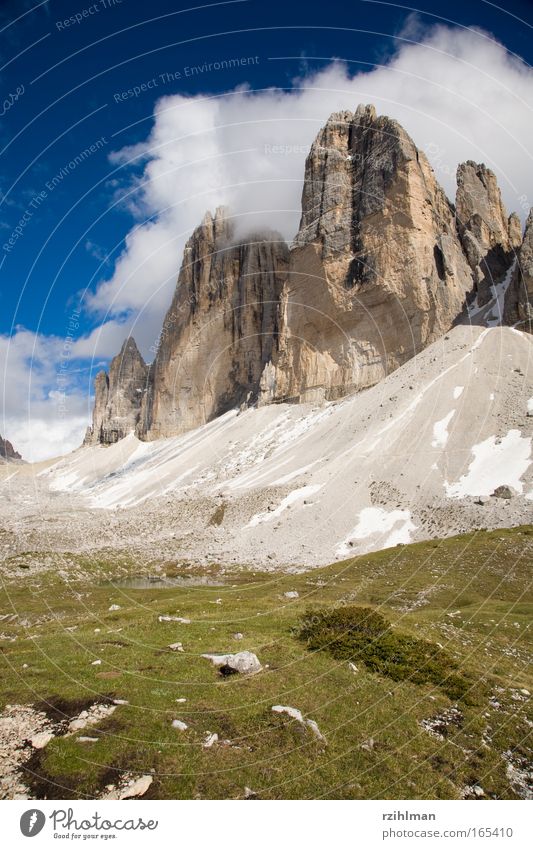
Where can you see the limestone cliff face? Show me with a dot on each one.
(7, 452)
(220, 331)
(519, 296)
(377, 271)
(489, 237)
(382, 265)
(119, 396)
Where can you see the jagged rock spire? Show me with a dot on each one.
(377, 272)
(118, 396)
(489, 237)
(519, 297)
(220, 330)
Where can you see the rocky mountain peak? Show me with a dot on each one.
(7, 452)
(377, 270)
(382, 265)
(489, 236)
(119, 396)
(519, 296)
(220, 330)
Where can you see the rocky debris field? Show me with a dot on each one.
(440, 446)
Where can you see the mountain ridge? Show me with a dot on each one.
(382, 265)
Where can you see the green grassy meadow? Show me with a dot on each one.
(468, 598)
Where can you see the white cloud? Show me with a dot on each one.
(42, 415)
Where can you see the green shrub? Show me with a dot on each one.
(360, 633)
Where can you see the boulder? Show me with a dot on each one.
(243, 662)
(504, 492)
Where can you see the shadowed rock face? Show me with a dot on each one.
(7, 452)
(118, 396)
(488, 236)
(221, 328)
(519, 297)
(377, 271)
(382, 265)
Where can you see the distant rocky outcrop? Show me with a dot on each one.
(119, 396)
(7, 452)
(382, 265)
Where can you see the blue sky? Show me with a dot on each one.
(98, 196)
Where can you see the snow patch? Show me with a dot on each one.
(291, 498)
(440, 431)
(496, 462)
(495, 314)
(395, 526)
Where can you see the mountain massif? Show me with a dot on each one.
(382, 266)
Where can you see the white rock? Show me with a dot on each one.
(39, 741)
(179, 619)
(181, 726)
(87, 739)
(115, 607)
(315, 729)
(93, 716)
(210, 740)
(238, 636)
(296, 714)
(120, 702)
(180, 701)
(176, 647)
(96, 663)
(292, 594)
(137, 788)
(352, 666)
(245, 662)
